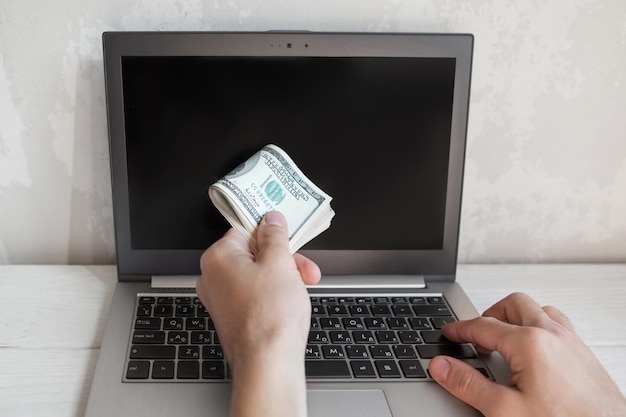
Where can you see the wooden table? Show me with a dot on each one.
(52, 320)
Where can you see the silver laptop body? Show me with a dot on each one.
(378, 121)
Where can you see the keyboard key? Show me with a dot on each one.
(380, 352)
(340, 336)
(177, 338)
(402, 310)
(163, 310)
(417, 300)
(201, 338)
(144, 310)
(363, 336)
(188, 352)
(386, 336)
(330, 323)
(333, 352)
(362, 369)
(149, 336)
(317, 337)
(412, 369)
(374, 323)
(420, 323)
(387, 368)
(182, 300)
(148, 323)
(409, 337)
(439, 322)
(209, 324)
(165, 300)
(380, 310)
(188, 370)
(457, 351)
(152, 352)
(431, 310)
(163, 370)
(174, 323)
(317, 310)
(358, 310)
(352, 323)
(212, 352)
(201, 311)
(213, 370)
(435, 300)
(337, 310)
(138, 370)
(312, 352)
(185, 310)
(193, 323)
(357, 352)
(327, 369)
(397, 323)
(146, 300)
(435, 337)
(404, 352)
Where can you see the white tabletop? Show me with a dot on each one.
(52, 319)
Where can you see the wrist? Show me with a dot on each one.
(269, 381)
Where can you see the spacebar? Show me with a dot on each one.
(326, 369)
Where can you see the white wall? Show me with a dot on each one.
(546, 162)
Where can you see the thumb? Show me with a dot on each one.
(272, 233)
(467, 384)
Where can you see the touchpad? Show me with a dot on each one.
(347, 403)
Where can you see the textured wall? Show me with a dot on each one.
(546, 163)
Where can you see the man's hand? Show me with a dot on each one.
(553, 372)
(262, 313)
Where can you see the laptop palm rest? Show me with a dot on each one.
(347, 403)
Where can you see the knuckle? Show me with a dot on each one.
(519, 296)
(536, 339)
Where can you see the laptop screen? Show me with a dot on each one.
(374, 132)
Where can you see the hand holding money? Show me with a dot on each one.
(271, 181)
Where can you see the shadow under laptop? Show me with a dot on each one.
(103, 278)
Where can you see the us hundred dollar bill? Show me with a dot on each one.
(270, 181)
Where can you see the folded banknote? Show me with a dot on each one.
(270, 181)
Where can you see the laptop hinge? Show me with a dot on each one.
(327, 281)
(174, 281)
(371, 282)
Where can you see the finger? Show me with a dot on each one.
(558, 316)
(272, 235)
(309, 271)
(520, 309)
(487, 333)
(468, 384)
(231, 244)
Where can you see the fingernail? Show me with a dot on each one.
(275, 218)
(439, 368)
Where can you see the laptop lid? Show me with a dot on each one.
(378, 121)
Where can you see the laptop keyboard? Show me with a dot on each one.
(351, 337)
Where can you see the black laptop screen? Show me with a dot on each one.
(374, 133)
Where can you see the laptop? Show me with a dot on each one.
(379, 122)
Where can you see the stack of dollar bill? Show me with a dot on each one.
(271, 181)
